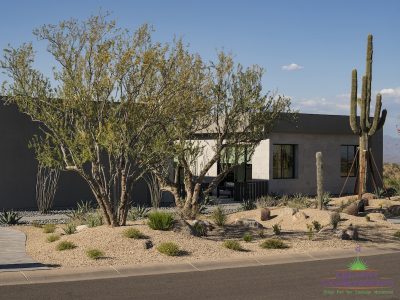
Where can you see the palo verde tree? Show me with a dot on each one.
(221, 116)
(365, 128)
(96, 111)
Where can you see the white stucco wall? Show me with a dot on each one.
(260, 161)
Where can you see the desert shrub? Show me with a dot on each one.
(261, 233)
(248, 205)
(53, 237)
(199, 229)
(138, 212)
(94, 220)
(267, 201)
(79, 214)
(206, 201)
(169, 248)
(36, 224)
(273, 244)
(299, 201)
(49, 228)
(9, 217)
(94, 253)
(133, 233)
(159, 220)
(310, 231)
(397, 234)
(233, 245)
(326, 198)
(368, 218)
(276, 229)
(65, 245)
(335, 219)
(317, 225)
(69, 228)
(247, 237)
(219, 216)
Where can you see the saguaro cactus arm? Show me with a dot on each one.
(377, 120)
(353, 103)
(369, 77)
(363, 113)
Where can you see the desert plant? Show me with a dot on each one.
(320, 179)
(53, 237)
(397, 234)
(199, 229)
(49, 228)
(261, 233)
(273, 244)
(326, 198)
(233, 245)
(276, 229)
(298, 201)
(267, 201)
(335, 219)
(94, 253)
(159, 220)
(365, 128)
(46, 186)
(317, 225)
(248, 205)
(154, 189)
(379, 193)
(36, 224)
(65, 245)
(69, 228)
(94, 220)
(310, 231)
(133, 233)
(9, 217)
(79, 214)
(247, 237)
(138, 212)
(219, 216)
(368, 218)
(169, 248)
(204, 203)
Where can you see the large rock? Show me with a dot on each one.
(394, 210)
(350, 233)
(362, 204)
(352, 209)
(368, 196)
(148, 244)
(299, 216)
(377, 217)
(250, 223)
(265, 214)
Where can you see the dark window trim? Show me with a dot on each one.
(293, 175)
(355, 167)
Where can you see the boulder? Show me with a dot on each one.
(377, 217)
(250, 223)
(350, 233)
(299, 216)
(81, 228)
(394, 210)
(352, 209)
(368, 196)
(148, 244)
(361, 205)
(289, 211)
(265, 214)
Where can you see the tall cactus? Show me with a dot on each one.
(365, 128)
(320, 180)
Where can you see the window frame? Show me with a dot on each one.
(347, 157)
(294, 151)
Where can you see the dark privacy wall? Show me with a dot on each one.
(18, 168)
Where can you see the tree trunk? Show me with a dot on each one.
(123, 205)
(363, 165)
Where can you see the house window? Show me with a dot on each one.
(347, 156)
(284, 161)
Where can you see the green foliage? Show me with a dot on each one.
(261, 233)
(298, 201)
(276, 229)
(169, 248)
(133, 233)
(138, 212)
(273, 244)
(69, 228)
(94, 254)
(9, 217)
(310, 231)
(80, 213)
(317, 226)
(65, 245)
(368, 218)
(159, 220)
(335, 219)
(199, 229)
(218, 216)
(233, 245)
(326, 198)
(49, 228)
(247, 237)
(53, 237)
(94, 220)
(248, 205)
(397, 234)
(36, 224)
(267, 201)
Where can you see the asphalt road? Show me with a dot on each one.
(286, 281)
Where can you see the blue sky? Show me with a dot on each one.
(308, 48)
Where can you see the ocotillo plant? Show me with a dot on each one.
(365, 128)
(320, 188)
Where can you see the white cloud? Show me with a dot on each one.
(292, 67)
(391, 92)
(322, 106)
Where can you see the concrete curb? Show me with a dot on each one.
(78, 274)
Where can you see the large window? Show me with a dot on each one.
(347, 157)
(284, 161)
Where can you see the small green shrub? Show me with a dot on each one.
(247, 237)
(65, 245)
(368, 218)
(233, 245)
(159, 220)
(248, 205)
(9, 217)
(261, 233)
(70, 228)
(277, 229)
(273, 244)
(267, 201)
(317, 225)
(133, 233)
(299, 201)
(199, 229)
(397, 234)
(219, 216)
(310, 231)
(49, 228)
(53, 237)
(36, 224)
(94, 253)
(94, 220)
(169, 248)
(335, 219)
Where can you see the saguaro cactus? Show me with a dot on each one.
(320, 178)
(365, 128)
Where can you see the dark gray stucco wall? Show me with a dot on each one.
(18, 168)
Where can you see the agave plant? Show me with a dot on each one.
(10, 217)
(138, 212)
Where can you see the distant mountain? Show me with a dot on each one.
(391, 149)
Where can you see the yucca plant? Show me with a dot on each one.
(70, 228)
(9, 217)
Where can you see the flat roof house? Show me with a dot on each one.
(283, 163)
